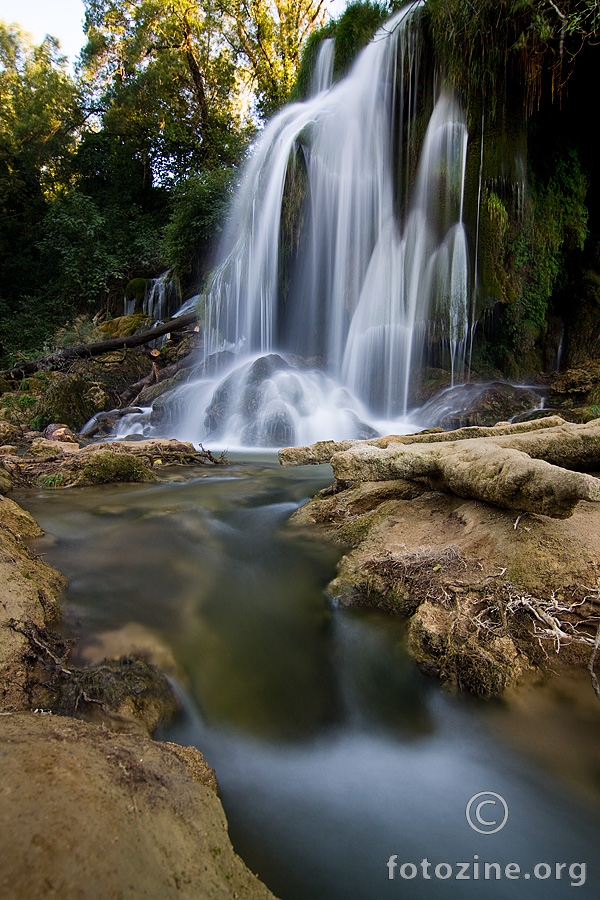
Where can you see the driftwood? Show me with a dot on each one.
(58, 359)
(528, 470)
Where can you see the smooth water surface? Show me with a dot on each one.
(332, 752)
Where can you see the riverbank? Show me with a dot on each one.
(86, 810)
(441, 529)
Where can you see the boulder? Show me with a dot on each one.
(56, 432)
(478, 404)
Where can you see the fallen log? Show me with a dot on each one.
(60, 358)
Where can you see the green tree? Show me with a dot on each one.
(160, 78)
(39, 116)
(267, 37)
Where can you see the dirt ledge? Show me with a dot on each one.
(89, 814)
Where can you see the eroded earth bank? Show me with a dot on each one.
(90, 805)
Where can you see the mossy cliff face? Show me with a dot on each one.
(525, 73)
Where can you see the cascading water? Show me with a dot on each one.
(161, 299)
(346, 249)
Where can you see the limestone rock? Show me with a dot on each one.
(96, 814)
(525, 467)
(322, 451)
(463, 572)
(474, 469)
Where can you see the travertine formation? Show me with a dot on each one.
(531, 467)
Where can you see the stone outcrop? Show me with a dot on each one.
(91, 814)
(431, 533)
(526, 467)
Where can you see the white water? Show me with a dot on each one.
(377, 272)
(161, 298)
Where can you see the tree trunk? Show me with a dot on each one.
(84, 351)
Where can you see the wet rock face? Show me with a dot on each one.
(476, 404)
(250, 398)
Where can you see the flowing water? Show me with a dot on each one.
(346, 256)
(332, 752)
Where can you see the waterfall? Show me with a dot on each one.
(323, 74)
(161, 298)
(346, 248)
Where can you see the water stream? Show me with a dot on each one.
(332, 752)
(344, 267)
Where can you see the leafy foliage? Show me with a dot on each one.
(162, 78)
(267, 37)
(199, 207)
(481, 43)
(352, 31)
(39, 112)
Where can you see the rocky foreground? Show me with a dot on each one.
(90, 806)
(479, 538)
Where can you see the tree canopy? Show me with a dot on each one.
(126, 167)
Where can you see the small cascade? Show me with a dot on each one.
(162, 298)
(323, 74)
(346, 247)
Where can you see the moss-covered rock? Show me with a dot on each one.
(70, 399)
(123, 326)
(5, 481)
(115, 371)
(106, 467)
(136, 290)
